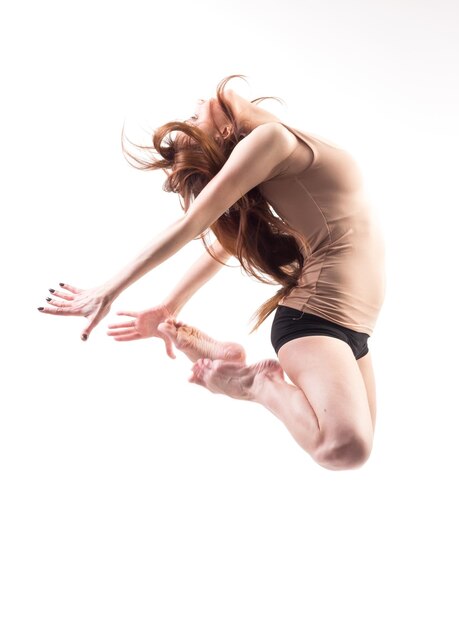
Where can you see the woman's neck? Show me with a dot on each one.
(247, 114)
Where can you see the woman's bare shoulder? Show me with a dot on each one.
(276, 132)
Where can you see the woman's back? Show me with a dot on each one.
(318, 190)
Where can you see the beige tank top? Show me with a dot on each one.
(344, 274)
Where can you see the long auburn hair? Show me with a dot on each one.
(266, 247)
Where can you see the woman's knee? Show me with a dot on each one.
(348, 451)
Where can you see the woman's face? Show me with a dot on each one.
(203, 116)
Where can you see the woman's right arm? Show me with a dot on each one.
(144, 324)
(198, 275)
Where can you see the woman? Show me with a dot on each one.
(232, 163)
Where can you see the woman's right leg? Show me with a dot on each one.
(326, 409)
(326, 371)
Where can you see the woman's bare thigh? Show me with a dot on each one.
(326, 370)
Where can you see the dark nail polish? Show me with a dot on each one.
(40, 308)
(84, 337)
(52, 290)
(48, 299)
(61, 284)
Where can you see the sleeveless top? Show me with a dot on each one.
(343, 278)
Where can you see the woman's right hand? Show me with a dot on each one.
(143, 324)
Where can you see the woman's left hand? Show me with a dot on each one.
(94, 304)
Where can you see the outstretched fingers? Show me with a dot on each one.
(62, 301)
(125, 330)
(61, 294)
(70, 288)
(93, 304)
(124, 325)
(128, 313)
(125, 336)
(62, 309)
(101, 313)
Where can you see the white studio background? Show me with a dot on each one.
(129, 496)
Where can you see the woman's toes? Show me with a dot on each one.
(234, 354)
(198, 370)
(195, 373)
(168, 328)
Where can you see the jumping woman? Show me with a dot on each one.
(291, 208)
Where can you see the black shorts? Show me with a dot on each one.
(291, 323)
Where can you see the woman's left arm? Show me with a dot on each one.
(251, 162)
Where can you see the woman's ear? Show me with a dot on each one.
(226, 132)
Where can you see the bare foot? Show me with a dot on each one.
(236, 380)
(197, 345)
